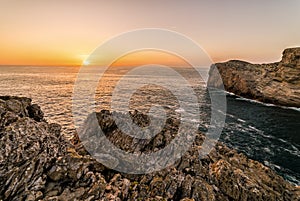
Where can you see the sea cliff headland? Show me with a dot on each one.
(277, 83)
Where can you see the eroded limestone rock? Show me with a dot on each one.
(277, 83)
(37, 163)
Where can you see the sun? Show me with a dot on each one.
(84, 59)
(85, 62)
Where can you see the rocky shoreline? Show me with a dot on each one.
(276, 83)
(38, 163)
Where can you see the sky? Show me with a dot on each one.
(65, 32)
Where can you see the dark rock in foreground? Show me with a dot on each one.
(36, 163)
(277, 83)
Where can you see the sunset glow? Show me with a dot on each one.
(150, 57)
(66, 32)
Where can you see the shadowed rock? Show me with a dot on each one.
(37, 163)
(277, 83)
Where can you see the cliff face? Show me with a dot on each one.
(36, 163)
(277, 83)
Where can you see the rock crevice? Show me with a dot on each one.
(37, 163)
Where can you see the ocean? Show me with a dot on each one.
(264, 132)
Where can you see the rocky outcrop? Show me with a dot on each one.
(37, 163)
(277, 83)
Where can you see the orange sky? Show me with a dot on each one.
(65, 32)
(145, 57)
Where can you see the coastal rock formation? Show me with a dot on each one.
(37, 163)
(277, 83)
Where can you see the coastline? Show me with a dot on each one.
(260, 102)
(275, 83)
(37, 162)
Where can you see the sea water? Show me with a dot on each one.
(267, 133)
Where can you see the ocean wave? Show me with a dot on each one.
(262, 103)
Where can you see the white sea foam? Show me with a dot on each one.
(262, 103)
(241, 120)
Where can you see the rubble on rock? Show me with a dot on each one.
(37, 163)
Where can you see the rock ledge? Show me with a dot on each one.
(37, 163)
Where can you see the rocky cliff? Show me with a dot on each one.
(277, 83)
(37, 163)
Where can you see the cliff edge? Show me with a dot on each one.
(276, 83)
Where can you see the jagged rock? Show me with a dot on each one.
(277, 83)
(35, 112)
(28, 148)
(37, 163)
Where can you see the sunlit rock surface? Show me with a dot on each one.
(37, 163)
(276, 83)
